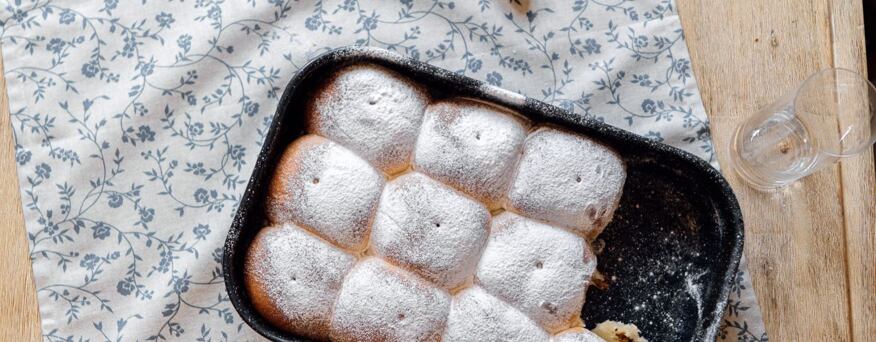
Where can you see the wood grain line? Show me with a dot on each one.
(858, 181)
(810, 247)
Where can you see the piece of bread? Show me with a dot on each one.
(379, 302)
(430, 228)
(612, 331)
(577, 335)
(471, 146)
(293, 277)
(477, 316)
(539, 269)
(325, 187)
(567, 179)
(371, 110)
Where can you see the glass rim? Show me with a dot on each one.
(871, 90)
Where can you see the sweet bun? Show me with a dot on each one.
(325, 187)
(293, 277)
(567, 179)
(539, 269)
(430, 229)
(371, 110)
(379, 302)
(471, 146)
(477, 316)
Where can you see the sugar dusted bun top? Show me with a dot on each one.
(403, 218)
(430, 229)
(569, 180)
(323, 186)
(471, 146)
(537, 268)
(371, 110)
(379, 302)
(476, 315)
(293, 278)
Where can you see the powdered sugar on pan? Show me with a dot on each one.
(657, 259)
(695, 291)
(503, 94)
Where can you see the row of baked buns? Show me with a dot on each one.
(402, 219)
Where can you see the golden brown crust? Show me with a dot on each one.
(286, 168)
(256, 288)
(326, 90)
(269, 310)
(260, 280)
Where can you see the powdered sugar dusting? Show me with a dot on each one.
(695, 290)
(542, 270)
(477, 316)
(430, 229)
(577, 335)
(379, 302)
(521, 275)
(293, 278)
(327, 188)
(567, 179)
(503, 94)
(471, 146)
(370, 110)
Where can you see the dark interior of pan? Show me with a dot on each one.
(670, 253)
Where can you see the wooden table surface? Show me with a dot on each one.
(810, 248)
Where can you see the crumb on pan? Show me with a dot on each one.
(613, 331)
(598, 279)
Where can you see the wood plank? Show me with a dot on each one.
(859, 182)
(745, 54)
(19, 312)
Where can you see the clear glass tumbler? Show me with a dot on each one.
(828, 117)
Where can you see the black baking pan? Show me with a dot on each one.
(670, 253)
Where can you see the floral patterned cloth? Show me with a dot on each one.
(137, 122)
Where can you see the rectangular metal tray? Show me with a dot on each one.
(670, 252)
